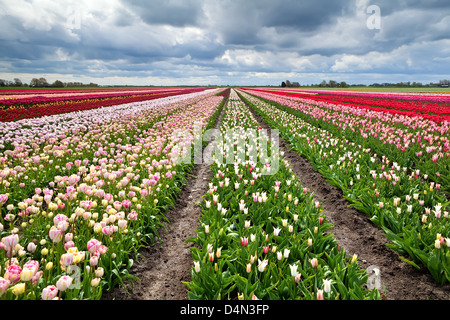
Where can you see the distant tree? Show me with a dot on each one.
(332, 83)
(17, 82)
(283, 84)
(323, 83)
(43, 82)
(288, 83)
(34, 82)
(343, 84)
(2, 83)
(58, 84)
(295, 84)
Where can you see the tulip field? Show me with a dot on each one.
(382, 164)
(87, 177)
(81, 192)
(262, 235)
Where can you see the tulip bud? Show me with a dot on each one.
(95, 282)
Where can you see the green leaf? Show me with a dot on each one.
(410, 262)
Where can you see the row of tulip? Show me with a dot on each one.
(262, 235)
(78, 235)
(33, 96)
(395, 95)
(409, 141)
(394, 104)
(48, 147)
(411, 210)
(25, 108)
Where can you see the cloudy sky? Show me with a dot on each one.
(234, 42)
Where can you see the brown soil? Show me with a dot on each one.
(165, 265)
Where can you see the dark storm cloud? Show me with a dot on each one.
(177, 13)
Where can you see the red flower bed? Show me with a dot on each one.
(428, 110)
(45, 106)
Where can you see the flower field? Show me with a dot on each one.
(87, 179)
(82, 192)
(404, 198)
(263, 235)
(23, 104)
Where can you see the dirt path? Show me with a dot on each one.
(164, 266)
(355, 233)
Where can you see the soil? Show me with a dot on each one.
(166, 264)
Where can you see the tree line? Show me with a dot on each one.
(43, 83)
(342, 84)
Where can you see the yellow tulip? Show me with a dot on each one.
(18, 289)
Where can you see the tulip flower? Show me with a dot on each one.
(10, 241)
(197, 266)
(55, 234)
(95, 282)
(93, 245)
(319, 294)
(64, 282)
(326, 285)
(293, 270)
(18, 289)
(13, 274)
(4, 285)
(276, 231)
(262, 265)
(49, 292)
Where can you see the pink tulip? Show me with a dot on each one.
(66, 259)
(13, 273)
(59, 218)
(3, 199)
(93, 245)
(49, 293)
(10, 241)
(64, 283)
(319, 294)
(117, 205)
(314, 262)
(4, 285)
(102, 249)
(37, 277)
(68, 245)
(68, 237)
(93, 261)
(126, 204)
(63, 226)
(132, 215)
(56, 234)
(32, 265)
(31, 247)
(108, 230)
